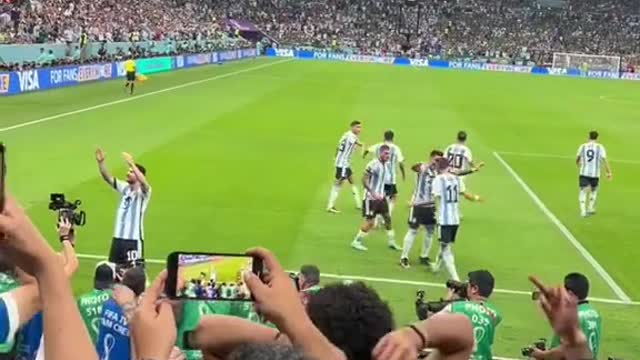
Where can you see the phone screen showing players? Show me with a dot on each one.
(213, 277)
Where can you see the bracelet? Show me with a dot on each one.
(420, 335)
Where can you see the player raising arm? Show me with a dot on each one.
(348, 143)
(446, 189)
(128, 240)
(591, 155)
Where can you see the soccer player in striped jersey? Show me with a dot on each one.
(127, 246)
(396, 161)
(422, 212)
(591, 156)
(347, 145)
(375, 203)
(447, 188)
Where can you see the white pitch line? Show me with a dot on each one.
(141, 96)
(555, 156)
(389, 281)
(563, 229)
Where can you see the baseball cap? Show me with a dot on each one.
(483, 280)
(104, 276)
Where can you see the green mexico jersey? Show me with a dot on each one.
(90, 306)
(484, 318)
(194, 310)
(591, 325)
(7, 283)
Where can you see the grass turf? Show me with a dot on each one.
(246, 160)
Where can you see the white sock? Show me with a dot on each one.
(583, 201)
(392, 235)
(408, 243)
(428, 240)
(333, 196)
(449, 262)
(356, 195)
(592, 203)
(391, 206)
(360, 236)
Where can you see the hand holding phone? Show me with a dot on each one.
(275, 295)
(210, 276)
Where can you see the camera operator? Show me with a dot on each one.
(484, 316)
(90, 304)
(577, 286)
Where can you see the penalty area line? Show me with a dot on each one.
(388, 281)
(141, 96)
(567, 234)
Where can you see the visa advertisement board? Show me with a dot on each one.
(20, 82)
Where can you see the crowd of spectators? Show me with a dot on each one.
(507, 30)
(519, 31)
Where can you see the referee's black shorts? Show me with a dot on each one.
(131, 76)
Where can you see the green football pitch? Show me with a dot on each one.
(241, 155)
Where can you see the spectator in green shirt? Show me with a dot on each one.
(484, 316)
(90, 304)
(577, 286)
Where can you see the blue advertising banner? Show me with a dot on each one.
(18, 82)
(445, 64)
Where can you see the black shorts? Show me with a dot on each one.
(131, 76)
(587, 181)
(390, 190)
(343, 173)
(126, 252)
(422, 215)
(373, 208)
(448, 233)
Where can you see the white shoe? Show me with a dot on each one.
(333, 210)
(435, 267)
(358, 246)
(393, 246)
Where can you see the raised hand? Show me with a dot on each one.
(100, 155)
(128, 158)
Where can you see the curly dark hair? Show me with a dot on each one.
(352, 316)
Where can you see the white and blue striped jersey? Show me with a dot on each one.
(591, 155)
(346, 146)
(423, 195)
(394, 161)
(377, 172)
(448, 188)
(130, 215)
(459, 156)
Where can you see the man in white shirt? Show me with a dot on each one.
(375, 203)
(347, 145)
(447, 188)
(395, 163)
(127, 246)
(591, 155)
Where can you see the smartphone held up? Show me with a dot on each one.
(210, 276)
